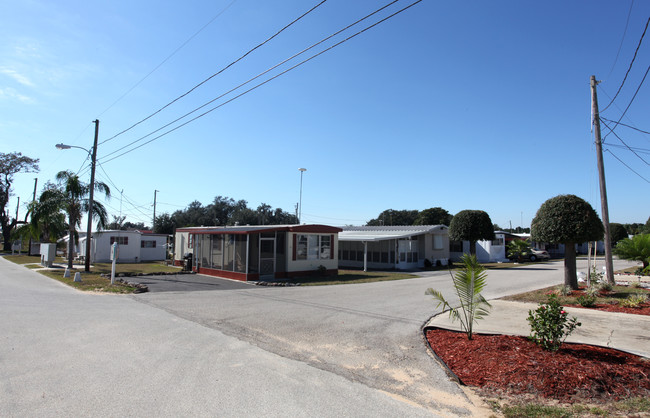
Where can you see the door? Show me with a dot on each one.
(267, 258)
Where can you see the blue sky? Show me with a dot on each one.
(462, 105)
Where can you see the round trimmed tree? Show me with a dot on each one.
(568, 220)
(472, 226)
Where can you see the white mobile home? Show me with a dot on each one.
(133, 246)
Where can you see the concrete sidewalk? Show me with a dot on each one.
(625, 332)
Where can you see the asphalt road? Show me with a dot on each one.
(349, 350)
(67, 353)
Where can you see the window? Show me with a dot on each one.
(455, 246)
(313, 247)
(437, 242)
(498, 241)
(147, 244)
(325, 247)
(120, 240)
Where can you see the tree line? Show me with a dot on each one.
(223, 211)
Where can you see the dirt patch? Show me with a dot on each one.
(511, 365)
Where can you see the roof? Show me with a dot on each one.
(251, 229)
(382, 233)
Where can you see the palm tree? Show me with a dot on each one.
(47, 222)
(75, 203)
(518, 248)
(469, 282)
(636, 248)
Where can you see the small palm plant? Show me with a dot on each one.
(469, 281)
(518, 248)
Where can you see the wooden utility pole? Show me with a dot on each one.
(89, 231)
(29, 250)
(609, 265)
(153, 225)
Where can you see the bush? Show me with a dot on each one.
(550, 324)
(634, 301)
(586, 301)
(427, 263)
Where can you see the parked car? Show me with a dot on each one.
(536, 254)
(532, 254)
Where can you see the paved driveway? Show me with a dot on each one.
(188, 283)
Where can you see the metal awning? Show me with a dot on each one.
(386, 233)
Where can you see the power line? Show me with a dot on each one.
(250, 80)
(264, 82)
(168, 57)
(639, 150)
(629, 168)
(627, 126)
(627, 22)
(626, 145)
(215, 74)
(631, 100)
(630, 67)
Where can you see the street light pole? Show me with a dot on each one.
(93, 162)
(302, 170)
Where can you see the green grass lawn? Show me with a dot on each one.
(92, 281)
(352, 276)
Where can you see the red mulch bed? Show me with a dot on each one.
(502, 364)
(643, 309)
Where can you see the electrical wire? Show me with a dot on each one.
(626, 145)
(215, 74)
(620, 46)
(168, 58)
(630, 67)
(264, 82)
(639, 150)
(629, 168)
(627, 126)
(631, 101)
(251, 79)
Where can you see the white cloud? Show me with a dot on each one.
(20, 78)
(12, 94)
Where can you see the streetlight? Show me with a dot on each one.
(302, 170)
(93, 160)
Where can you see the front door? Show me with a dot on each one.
(267, 258)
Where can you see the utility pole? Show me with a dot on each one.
(609, 265)
(153, 225)
(29, 250)
(90, 198)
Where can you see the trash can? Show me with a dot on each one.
(187, 262)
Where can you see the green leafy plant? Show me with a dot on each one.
(593, 291)
(550, 324)
(469, 281)
(634, 301)
(518, 249)
(586, 301)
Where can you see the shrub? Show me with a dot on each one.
(427, 263)
(586, 301)
(550, 324)
(634, 301)
(606, 286)
(593, 291)
(562, 290)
